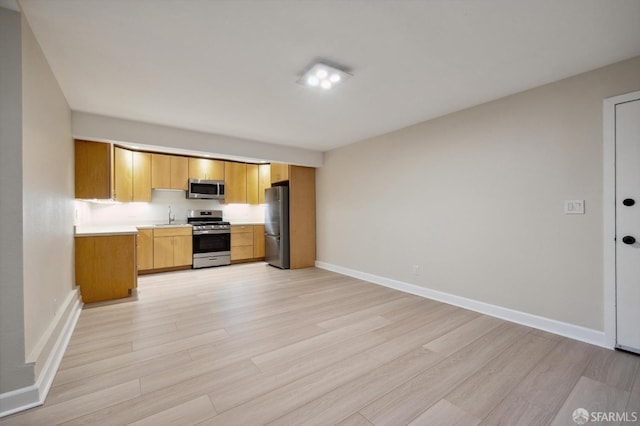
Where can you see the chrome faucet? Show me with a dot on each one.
(172, 218)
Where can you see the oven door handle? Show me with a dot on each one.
(221, 231)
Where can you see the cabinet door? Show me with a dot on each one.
(216, 172)
(264, 181)
(258, 241)
(105, 267)
(279, 172)
(182, 250)
(198, 168)
(92, 170)
(123, 174)
(160, 171)
(302, 217)
(204, 168)
(179, 172)
(141, 176)
(162, 252)
(253, 180)
(242, 239)
(145, 249)
(235, 177)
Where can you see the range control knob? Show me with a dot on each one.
(628, 239)
(628, 202)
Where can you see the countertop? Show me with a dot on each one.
(104, 230)
(97, 230)
(163, 225)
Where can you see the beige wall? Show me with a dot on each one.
(48, 192)
(475, 198)
(14, 373)
(36, 167)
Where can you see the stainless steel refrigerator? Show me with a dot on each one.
(276, 226)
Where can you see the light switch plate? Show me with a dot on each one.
(573, 206)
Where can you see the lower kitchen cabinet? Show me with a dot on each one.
(241, 242)
(172, 247)
(247, 243)
(105, 266)
(145, 249)
(258, 241)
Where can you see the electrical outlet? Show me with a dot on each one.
(416, 269)
(574, 207)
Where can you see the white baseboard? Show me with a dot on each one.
(34, 395)
(571, 331)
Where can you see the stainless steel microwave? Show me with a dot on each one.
(205, 189)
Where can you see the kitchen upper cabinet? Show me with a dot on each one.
(258, 179)
(141, 176)
(145, 249)
(169, 171)
(235, 182)
(105, 266)
(172, 247)
(204, 168)
(264, 181)
(279, 172)
(92, 170)
(132, 174)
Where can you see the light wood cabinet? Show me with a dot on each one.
(258, 179)
(302, 216)
(241, 242)
(247, 243)
(132, 174)
(92, 170)
(105, 266)
(183, 250)
(172, 247)
(279, 172)
(141, 176)
(253, 179)
(258, 241)
(169, 171)
(235, 182)
(204, 168)
(145, 249)
(264, 181)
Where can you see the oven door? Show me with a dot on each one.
(218, 242)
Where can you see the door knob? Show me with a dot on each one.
(628, 202)
(628, 239)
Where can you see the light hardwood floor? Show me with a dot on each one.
(250, 344)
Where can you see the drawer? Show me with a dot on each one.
(238, 229)
(244, 239)
(242, 252)
(172, 232)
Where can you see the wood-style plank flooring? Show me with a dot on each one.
(250, 345)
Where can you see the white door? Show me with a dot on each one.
(627, 139)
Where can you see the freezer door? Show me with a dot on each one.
(274, 252)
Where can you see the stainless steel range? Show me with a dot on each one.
(211, 238)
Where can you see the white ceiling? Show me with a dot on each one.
(230, 67)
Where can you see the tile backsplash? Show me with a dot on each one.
(111, 213)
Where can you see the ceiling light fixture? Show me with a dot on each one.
(323, 76)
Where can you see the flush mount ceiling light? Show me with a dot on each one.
(323, 76)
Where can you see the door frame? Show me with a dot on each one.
(609, 212)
